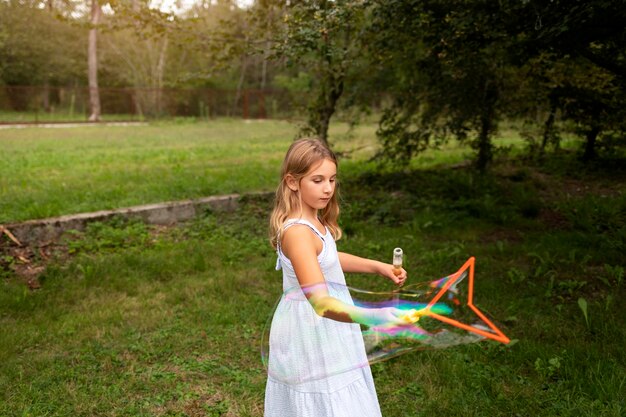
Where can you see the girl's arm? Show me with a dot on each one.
(302, 247)
(351, 263)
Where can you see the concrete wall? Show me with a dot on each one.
(34, 232)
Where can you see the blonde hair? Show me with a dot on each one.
(302, 156)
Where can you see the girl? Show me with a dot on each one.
(317, 363)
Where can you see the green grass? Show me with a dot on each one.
(49, 172)
(133, 320)
(62, 115)
(52, 172)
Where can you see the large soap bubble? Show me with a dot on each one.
(438, 314)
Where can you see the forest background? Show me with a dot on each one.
(426, 71)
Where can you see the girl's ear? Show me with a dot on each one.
(292, 183)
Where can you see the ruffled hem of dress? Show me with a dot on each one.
(358, 398)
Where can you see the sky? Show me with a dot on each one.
(179, 6)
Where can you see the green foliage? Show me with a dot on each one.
(324, 37)
(38, 48)
(615, 274)
(6, 266)
(548, 369)
(115, 234)
(456, 79)
(298, 84)
(582, 303)
(458, 69)
(432, 70)
(599, 219)
(516, 276)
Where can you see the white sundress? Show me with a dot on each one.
(317, 367)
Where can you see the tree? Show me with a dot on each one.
(461, 66)
(134, 52)
(451, 70)
(38, 48)
(592, 99)
(213, 46)
(581, 46)
(323, 38)
(36, 45)
(593, 30)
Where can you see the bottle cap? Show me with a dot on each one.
(397, 257)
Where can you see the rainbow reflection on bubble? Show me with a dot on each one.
(439, 314)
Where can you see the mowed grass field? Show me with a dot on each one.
(135, 320)
(49, 172)
(46, 172)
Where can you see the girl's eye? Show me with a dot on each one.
(317, 181)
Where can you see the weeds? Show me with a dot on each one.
(549, 369)
(615, 276)
(582, 303)
(114, 234)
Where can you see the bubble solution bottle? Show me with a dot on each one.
(397, 261)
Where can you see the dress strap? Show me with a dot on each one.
(292, 222)
(279, 266)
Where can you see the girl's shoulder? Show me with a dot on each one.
(301, 235)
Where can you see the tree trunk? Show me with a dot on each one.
(46, 83)
(266, 50)
(242, 78)
(159, 76)
(264, 69)
(327, 106)
(548, 128)
(94, 93)
(331, 89)
(483, 144)
(590, 145)
(485, 148)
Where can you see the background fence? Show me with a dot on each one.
(33, 104)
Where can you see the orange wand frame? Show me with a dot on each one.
(497, 335)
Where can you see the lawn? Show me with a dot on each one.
(136, 320)
(51, 172)
(62, 115)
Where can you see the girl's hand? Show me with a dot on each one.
(388, 271)
(385, 317)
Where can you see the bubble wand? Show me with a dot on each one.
(492, 333)
(438, 314)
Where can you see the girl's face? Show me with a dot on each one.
(317, 186)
